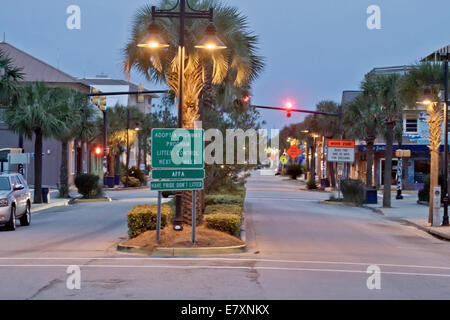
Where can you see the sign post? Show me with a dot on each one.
(194, 214)
(158, 218)
(340, 151)
(177, 164)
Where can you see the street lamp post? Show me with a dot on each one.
(445, 219)
(128, 145)
(154, 40)
(105, 149)
(444, 56)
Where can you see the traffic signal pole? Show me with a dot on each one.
(300, 110)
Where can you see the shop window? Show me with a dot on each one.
(411, 125)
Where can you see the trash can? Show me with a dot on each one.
(371, 196)
(45, 194)
(117, 179)
(110, 182)
(324, 183)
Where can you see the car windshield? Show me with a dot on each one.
(4, 183)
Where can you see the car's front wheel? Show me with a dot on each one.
(11, 225)
(25, 220)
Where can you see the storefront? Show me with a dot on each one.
(415, 167)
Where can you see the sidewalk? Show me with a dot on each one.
(410, 211)
(54, 201)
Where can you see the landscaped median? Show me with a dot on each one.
(220, 232)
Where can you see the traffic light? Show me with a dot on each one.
(102, 103)
(98, 150)
(95, 98)
(141, 97)
(288, 108)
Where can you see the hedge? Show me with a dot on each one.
(143, 217)
(88, 186)
(132, 181)
(353, 191)
(294, 170)
(225, 222)
(223, 199)
(224, 208)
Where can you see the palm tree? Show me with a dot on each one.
(9, 80)
(328, 127)
(390, 110)
(362, 121)
(37, 114)
(76, 112)
(205, 72)
(411, 90)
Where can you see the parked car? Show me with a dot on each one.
(15, 201)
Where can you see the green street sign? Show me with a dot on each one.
(177, 148)
(169, 174)
(176, 185)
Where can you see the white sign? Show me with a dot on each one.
(17, 158)
(341, 154)
(341, 151)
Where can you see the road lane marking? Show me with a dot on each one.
(174, 259)
(187, 267)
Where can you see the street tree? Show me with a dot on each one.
(77, 114)
(391, 108)
(36, 114)
(231, 68)
(362, 121)
(10, 76)
(411, 90)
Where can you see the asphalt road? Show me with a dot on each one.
(298, 249)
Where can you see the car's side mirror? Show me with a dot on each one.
(18, 187)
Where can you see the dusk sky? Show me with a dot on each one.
(314, 49)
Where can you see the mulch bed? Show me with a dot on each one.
(182, 239)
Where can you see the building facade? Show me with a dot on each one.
(415, 137)
(37, 70)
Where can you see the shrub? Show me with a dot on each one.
(225, 222)
(353, 191)
(311, 184)
(424, 194)
(224, 208)
(223, 199)
(63, 191)
(294, 170)
(87, 185)
(143, 217)
(138, 174)
(132, 181)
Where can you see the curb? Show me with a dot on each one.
(50, 205)
(182, 251)
(106, 199)
(349, 204)
(336, 203)
(428, 229)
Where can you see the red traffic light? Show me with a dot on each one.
(98, 151)
(288, 107)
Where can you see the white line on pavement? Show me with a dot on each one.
(174, 259)
(233, 267)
